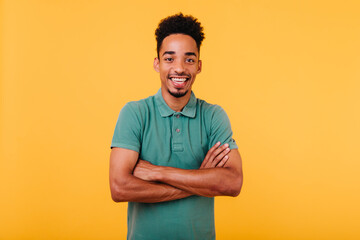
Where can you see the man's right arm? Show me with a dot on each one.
(127, 188)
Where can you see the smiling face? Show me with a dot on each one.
(178, 65)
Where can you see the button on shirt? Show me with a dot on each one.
(176, 139)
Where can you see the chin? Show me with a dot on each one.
(178, 94)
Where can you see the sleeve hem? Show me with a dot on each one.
(233, 146)
(126, 146)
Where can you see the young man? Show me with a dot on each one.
(171, 152)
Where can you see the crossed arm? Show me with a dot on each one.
(135, 180)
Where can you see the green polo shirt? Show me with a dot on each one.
(176, 139)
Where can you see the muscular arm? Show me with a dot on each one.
(209, 182)
(132, 180)
(127, 188)
(218, 179)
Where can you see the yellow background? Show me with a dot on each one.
(286, 72)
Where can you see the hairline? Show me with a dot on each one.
(158, 50)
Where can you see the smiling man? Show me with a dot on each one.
(172, 153)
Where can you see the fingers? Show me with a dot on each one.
(220, 154)
(216, 156)
(223, 161)
(208, 154)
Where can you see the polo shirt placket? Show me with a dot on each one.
(177, 133)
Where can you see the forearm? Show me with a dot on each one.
(209, 181)
(133, 189)
(205, 182)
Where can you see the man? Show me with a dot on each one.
(171, 152)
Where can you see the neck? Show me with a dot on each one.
(176, 104)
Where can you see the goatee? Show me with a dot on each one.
(178, 94)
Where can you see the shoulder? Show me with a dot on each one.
(213, 116)
(139, 107)
(209, 110)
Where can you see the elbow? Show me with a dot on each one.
(236, 189)
(116, 197)
(237, 186)
(232, 188)
(117, 193)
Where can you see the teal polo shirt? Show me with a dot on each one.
(176, 139)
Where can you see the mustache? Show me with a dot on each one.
(178, 75)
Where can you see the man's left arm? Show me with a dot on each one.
(209, 182)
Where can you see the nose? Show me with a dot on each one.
(179, 67)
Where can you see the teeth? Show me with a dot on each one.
(178, 79)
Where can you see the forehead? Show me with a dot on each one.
(179, 43)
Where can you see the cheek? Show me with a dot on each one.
(163, 75)
(163, 71)
(195, 70)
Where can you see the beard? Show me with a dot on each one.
(178, 94)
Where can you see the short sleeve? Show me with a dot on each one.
(221, 129)
(127, 132)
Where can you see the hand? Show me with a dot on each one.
(145, 170)
(216, 156)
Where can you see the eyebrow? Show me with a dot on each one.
(190, 54)
(173, 52)
(168, 52)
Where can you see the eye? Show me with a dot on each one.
(168, 59)
(190, 60)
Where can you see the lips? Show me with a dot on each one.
(179, 81)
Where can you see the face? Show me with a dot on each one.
(178, 65)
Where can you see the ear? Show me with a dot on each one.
(199, 66)
(156, 64)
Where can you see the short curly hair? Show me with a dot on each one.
(179, 23)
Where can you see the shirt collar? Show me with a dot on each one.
(165, 111)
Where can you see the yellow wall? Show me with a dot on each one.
(286, 72)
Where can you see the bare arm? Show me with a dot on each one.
(127, 188)
(219, 175)
(129, 185)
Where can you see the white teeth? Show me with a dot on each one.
(178, 79)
